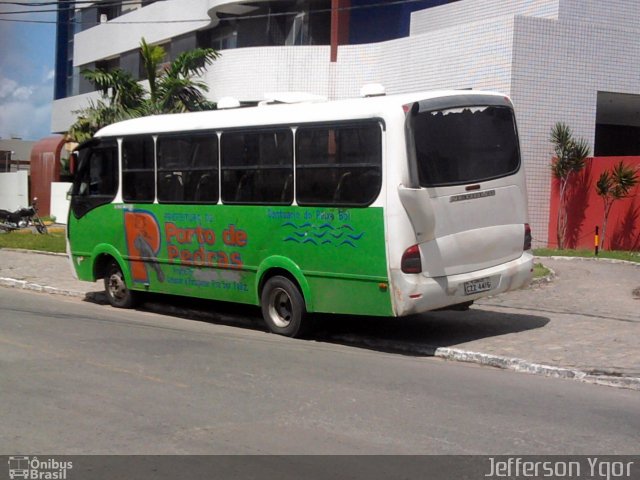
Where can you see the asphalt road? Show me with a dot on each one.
(82, 378)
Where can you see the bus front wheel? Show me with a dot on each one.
(115, 287)
(283, 307)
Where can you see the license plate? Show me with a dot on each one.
(477, 286)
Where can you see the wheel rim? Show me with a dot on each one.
(117, 288)
(280, 308)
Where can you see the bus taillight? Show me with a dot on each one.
(411, 262)
(527, 237)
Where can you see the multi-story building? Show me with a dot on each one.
(576, 61)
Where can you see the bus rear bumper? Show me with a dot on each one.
(415, 293)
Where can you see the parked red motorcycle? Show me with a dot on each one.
(22, 218)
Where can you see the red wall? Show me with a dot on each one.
(585, 210)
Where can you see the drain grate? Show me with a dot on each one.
(636, 293)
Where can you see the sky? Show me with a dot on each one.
(27, 62)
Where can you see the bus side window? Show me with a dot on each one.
(188, 168)
(257, 167)
(202, 181)
(276, 162)
(138, 175)
(339, 165)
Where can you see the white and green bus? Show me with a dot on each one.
(382, 206)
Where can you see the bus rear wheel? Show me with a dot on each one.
(283, 307)
(115, 287)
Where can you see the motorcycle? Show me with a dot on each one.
(22, 218)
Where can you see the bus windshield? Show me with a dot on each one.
(465, 145)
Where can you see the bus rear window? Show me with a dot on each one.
(465, 145)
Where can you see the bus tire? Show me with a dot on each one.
(116, 289)
(283, 307)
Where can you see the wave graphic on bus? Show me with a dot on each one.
(307, 231)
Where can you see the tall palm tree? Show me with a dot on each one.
(122, 98)
(118, 86)
(172, 89)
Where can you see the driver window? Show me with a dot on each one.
(96, 182)
(97, 174)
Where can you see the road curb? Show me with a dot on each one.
(497, 361)
(37, 252)
(520, 365)
(36, 287)
(445, 353)
(589, 259)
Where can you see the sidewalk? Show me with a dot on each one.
(585, 324)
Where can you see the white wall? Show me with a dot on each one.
(477, 56)
(117, 36)
(62, 111)
(471, 11)
(59, 203)
(615, 14)
(14, 190)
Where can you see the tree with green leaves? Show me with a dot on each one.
(122, 98)
(570, 157)
(172, 89)
(612, 186)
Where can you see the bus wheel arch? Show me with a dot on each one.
(108, 266)
(101, 264)
(283, 266)
(103, 254)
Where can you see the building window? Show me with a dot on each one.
(109, 11)
(271, 24)
(223, 37)
(130, 63)
(181, 44)
(108, 65)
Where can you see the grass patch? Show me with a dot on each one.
(540, 271)
(616, 255)
(53, 242)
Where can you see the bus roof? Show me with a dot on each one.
(278, 114)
